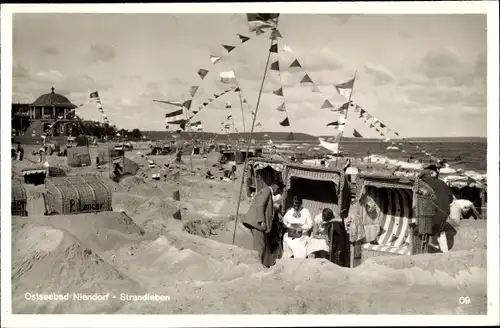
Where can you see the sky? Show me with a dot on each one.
(421, 75)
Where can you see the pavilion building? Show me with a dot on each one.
(48, 109)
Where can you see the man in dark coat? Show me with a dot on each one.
(444, 198)
(260, 220)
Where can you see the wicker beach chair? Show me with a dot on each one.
(77, 194)
(404, 216)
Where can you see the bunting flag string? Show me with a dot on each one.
(307, 80)
(383, 130)
(279, 92)
(258, 23)
(95, 98)
(227, 77)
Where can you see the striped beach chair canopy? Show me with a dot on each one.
(262, 163)
(387, 210)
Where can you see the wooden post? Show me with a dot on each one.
(352, 250)
(484, 211)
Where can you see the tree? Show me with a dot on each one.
(124, 132)
(136, 134)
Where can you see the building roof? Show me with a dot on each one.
(53, 100)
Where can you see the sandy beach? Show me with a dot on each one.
(140, 249)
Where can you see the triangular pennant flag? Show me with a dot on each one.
(243, 38)
(275, 34)
(214, 59)
(396, 134)
(281, 108)
(258, 32)
(285, 122)
(315, 88)
(235, 90)
(216, 95)
(244, 101)
(382, 125)
(275, 66)
(258, 124)
(195, 111)
(306, 79)
(205, 103)
(274, 48)
(336, 123)
(229, 117)
(295, 63)
(187, 104)
(193, 90)
(228, 104)
(326, 104)
(362, 112)
(228, 47)
(344, 106)
(341, 121)
(278, 92)
(202, 73)
(287, 49)
(356, 134)
(345, 88)
(227, 77)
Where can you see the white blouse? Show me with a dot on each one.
(304, 221)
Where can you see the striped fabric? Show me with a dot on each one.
(259, 165)
(313, 173)
(175, 117)
(395, 205)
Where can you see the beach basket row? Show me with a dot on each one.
(77, 194)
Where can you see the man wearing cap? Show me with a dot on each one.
(443, 201)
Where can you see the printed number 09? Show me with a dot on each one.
(464, 300)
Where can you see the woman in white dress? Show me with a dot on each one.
(298, 222)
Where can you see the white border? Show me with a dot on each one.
(479, 7)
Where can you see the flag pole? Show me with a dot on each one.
(188, 126)
(250, 140)
(346, 112)
(241, 105)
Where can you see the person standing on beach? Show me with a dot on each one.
(260, 220)
(444, 199)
